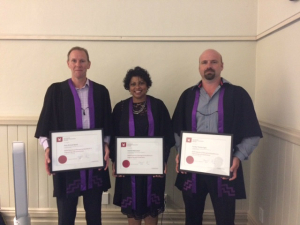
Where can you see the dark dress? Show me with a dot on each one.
(123, 188)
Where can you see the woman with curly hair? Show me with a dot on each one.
(141, 115)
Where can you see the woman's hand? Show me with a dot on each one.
(165, 172)
(177, 165)
(106, 156)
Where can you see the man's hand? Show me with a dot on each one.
(177, 163)
(47, 161)
(114, 171)
(234, 168)
(113, 168)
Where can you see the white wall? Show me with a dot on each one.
(272, 13)
(277, 78)
(128, 17)
(36, 35)
(29, 67)
(171, 73)
(166, 38)
(275, 181)
(275, 164)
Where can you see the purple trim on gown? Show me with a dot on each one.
(132, 134)
(220, 130)
(78, 112)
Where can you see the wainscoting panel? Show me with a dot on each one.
(275, 180)
(42, 206)
(4, 187)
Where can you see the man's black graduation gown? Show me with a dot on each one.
(58, 114)
(239, 119)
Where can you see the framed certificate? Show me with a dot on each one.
(206, 153)
(78, 149)
(139, 156)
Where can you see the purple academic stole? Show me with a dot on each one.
(220, 127)
(78, 113)
(132, 134)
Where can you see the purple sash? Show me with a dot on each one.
(220, 125)
(132, 134)
(79, 126)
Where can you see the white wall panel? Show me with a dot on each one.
(40, 188)
(294, 200)
(12, 135)
(33, 169)
(275, 185)
(4, 187)
(287, 180)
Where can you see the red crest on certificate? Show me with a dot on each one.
(190, 159)
(188, 139)
(62, 159)
(126, 163)
(123, 144)
(59, 139)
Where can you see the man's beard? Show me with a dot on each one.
(209, 74)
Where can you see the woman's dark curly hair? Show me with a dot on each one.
(137, 72)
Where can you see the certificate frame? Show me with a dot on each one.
(76, 150)
(206, 153)
(139, 156)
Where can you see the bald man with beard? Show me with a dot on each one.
(214, 105)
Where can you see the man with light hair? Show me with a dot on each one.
(75, 104)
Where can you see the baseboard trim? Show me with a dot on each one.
(46, 216)
(252, 220)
